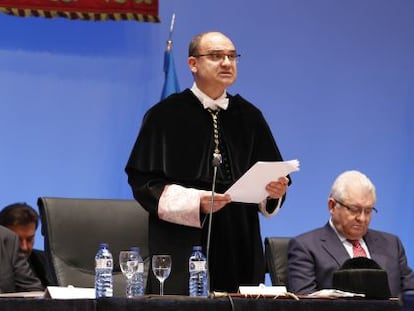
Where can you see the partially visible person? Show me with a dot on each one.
(15, 272)
(23, 219)
(314, 256)
(171, 168)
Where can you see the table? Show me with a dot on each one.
(37, 304)
(183, 303)
(156, 303)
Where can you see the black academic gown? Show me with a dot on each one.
(40, 267)
(175, 146)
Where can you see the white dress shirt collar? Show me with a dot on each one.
(220, 103)
(347, 244)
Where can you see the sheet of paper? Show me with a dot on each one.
(250, 188)
(70, 292)
(333, 293)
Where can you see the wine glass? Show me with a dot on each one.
(128, 261)
(161, 267)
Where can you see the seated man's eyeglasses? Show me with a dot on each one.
(218, 56)
(354, 210)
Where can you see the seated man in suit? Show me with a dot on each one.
(314, 256)
(24, 220)
(15, 272)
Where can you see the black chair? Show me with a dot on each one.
(276, 259)
(73, 228)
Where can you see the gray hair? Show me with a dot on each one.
(351, 179)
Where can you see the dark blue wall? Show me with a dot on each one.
(333, 78)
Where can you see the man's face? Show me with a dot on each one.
(26, 236)
(215, 68)
(352, 216)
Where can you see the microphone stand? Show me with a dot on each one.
(215, 163)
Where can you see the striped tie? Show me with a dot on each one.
(357, 249)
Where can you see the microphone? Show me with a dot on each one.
(215, 163)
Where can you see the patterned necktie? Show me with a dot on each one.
(357, 249)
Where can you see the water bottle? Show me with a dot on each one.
(103, 272)
(136, 286)
(197, 266)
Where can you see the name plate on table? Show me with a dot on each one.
(263, 290)
(70, 292)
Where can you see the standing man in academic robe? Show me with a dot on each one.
(170, 172)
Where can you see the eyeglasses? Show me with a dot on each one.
(220, 56)
(356, 211)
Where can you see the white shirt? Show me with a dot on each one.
(222, 102)
(347, 244)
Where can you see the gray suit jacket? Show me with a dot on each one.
(315, 255)
(15, 272)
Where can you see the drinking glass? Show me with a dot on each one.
(161, 267)
(128, 261)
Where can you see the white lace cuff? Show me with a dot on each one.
(262, 208)
(180, 205)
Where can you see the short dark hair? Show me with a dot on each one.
(194, 44)
(18, 214)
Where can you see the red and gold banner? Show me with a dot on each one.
(96, 10)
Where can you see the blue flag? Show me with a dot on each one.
(171, 81)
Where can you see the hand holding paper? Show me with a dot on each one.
(250, 188)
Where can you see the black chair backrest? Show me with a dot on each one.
(73, 229)
(276, 259)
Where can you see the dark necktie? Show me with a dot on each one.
(357, 249)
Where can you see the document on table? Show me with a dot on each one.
(250, 188)
(333, 293)
(33, 294)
